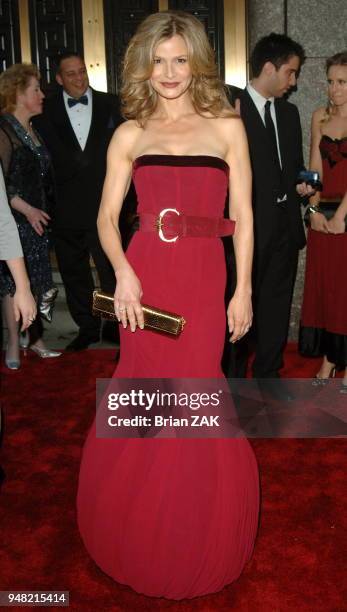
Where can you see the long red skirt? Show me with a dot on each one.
(325, 292)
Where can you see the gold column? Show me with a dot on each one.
(25, 47)
(235, 42)
(163, 5)
(94, 43)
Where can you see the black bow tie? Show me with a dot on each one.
(73, 101)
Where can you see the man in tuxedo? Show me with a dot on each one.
(77, 124)
(275, 142)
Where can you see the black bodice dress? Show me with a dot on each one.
(27, 173)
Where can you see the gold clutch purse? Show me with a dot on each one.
(154, 318)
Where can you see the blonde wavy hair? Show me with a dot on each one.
(15, 79)
(339, 59)
(207, 91)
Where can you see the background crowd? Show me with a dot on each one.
(53, 157)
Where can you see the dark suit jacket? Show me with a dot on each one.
(79, 175)
(265, 176)
(233, 93)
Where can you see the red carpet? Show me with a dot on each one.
(300, 555)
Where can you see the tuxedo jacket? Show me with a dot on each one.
(78, 174)
(265, 174)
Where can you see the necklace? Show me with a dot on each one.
(30, 134)
(28, 129)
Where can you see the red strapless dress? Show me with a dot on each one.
(175, 517)
(324, 310)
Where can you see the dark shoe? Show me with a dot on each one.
(81, 342)
(274, 389)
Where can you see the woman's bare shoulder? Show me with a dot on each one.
(127, 129)
(125, 136)
(319, 113)
(230, 126)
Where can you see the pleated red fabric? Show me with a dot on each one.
(325, 296)
(173, 518)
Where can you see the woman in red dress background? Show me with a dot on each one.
(324, 311)
(174, 517)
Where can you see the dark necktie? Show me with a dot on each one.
(73, 101)
(271, 132)
(270, 128)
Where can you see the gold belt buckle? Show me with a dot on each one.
(160, 224)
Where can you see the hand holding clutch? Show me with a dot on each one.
(155, 319)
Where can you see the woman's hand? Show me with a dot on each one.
(305, 190)
(127, 299)
(24, 306)
(38, 219)
(240, 315)
(319, 223)
(336, 225)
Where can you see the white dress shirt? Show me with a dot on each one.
(80, 117)
(260, 102)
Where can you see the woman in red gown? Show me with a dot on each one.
(324, 311)
(175, 517)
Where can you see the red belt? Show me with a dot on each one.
(171, 224)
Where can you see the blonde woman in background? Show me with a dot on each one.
(324, 311)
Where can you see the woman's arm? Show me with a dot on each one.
(36, 217)
(337, 225)
(317, 220)
(23, 302)
(240, 209)
(118, 177)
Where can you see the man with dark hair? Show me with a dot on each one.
(277, 49)
(275, 142)
(77, 125)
